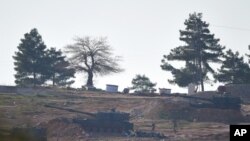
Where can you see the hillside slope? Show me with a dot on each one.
(28, 110)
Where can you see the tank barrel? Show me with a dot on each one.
(70, 110)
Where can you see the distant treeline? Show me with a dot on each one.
(37, 65)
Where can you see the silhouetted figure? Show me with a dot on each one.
(153, 126)
(113, 109)
(174, 125)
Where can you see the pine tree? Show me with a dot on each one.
(142, 84)
(200, 48)
(234, 69)
(248, 55)
(30, 63)
(59, 71)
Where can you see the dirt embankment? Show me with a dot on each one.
(23, 110)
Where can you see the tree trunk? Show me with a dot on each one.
(201, 78)
(201, 70)
(90, 79)
(202, 85)
(34, 79)
(53, 80)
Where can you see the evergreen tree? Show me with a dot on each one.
(234, 69)
(142, 84)
(59, 71)
(200, 48)
(30, 63)
(248, 55)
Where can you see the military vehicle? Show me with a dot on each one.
(109, 121)
(225, 101)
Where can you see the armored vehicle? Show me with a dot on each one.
(221, 101)
(110, 121)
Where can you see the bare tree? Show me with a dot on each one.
(92, 56)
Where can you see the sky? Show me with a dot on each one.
(141, 31)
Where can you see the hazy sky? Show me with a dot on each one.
(141, 31)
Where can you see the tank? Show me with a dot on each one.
(227, 102)
(110, 121)
(222, 102)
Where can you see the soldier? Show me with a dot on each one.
(153, 126)
(174, 125)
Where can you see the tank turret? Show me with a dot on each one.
(113, 116)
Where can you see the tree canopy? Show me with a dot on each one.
(142, 84)
(35, 65)
(92, 56)
(234, 69)
(30, 63)
(248, 55)
(200, 49)
(59, 71)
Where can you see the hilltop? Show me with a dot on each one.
(26, 109)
